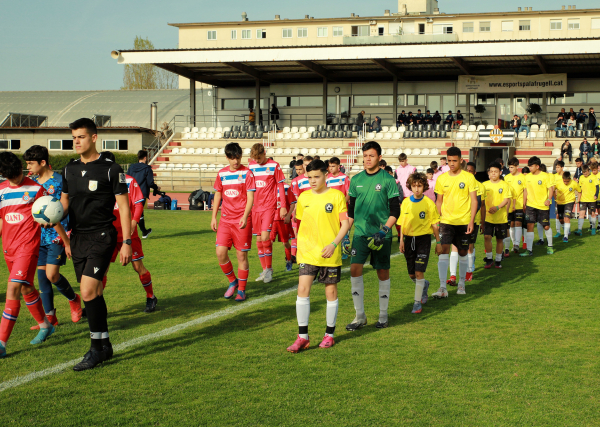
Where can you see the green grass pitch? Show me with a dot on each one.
(521, 348)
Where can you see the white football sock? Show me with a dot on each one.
(511, 233)
(303, 312)
(443, 262)
(558, 226)
(529, 240)
(463, 266)
(524, 230)
(593, 222)
(549, 236)
(419, 289)
(384, 299)
(567, 228)
(470, 261)
(331, 314)
(507, 243)
(453, 263)
(499, 257)
(580, 223)
(489, 256)
(358, 296)
(540, 231)
(518, 236)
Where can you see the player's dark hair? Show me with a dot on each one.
(109, 155)
(142, 154)
(256, 150)
(316, 165)
(585, 168)
(535, 160)
(417, 177)
(472, 164)
(299, 163)
(543, 168)
(433, 165)
(402, 157)
(443, 158)
(513, 161)
(495, 165)
(334, 161)
(499, 160)
(429, 170)
(578, 159)
(308, 158)
(317, 157)
(233, 151)
(382, 163)
(560, 163)
(566, 175)
(525, 170)
(85, 123)
(389, 169)
(372, 145)
(36, 153)
(10, 165)
(454, 151)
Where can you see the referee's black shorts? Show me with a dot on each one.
(91, 252)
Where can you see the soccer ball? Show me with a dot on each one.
(47, 210)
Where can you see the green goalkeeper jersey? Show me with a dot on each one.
(372, 206)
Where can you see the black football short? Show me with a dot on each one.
(565, 211)
(92, 252)
(533, 215)
(516, 216)
(455, 235)
(589, 206)
(498, 230)
(473, 235)
(416, 252)
(325, 275)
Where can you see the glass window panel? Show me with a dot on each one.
(302, 32)
(556, 25)
(449, 102)
(468, 27)
(595, 23)
(246, 34)
(525, 25)
(311, 101)
(233, 34)
(400, 100)
(593, 98)
(286, 33)
(212, 35)
(366, 100)
(434, 103)
(386, 100)
(338, 31)
(322, 32)
(54, 144)
(486, 99)
(573, 24)
(507, 25)
(536, 98)
(364, 30)
(485, 26)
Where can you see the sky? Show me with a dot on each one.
(66, 44)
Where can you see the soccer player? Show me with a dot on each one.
(596, 174)
(20, 244)
(418, 219)
(235, 186)
(136, 207)
(323, 219)
(516, 180)
(589, 195)
(336, 179)
(144, 175)
(282, 227)
(299, 185)
(539, 227)
(495, 216)
(567, 191)
(403, 171)
(374, 208)
(559, 166)
(91, 186)
(457, 206)
(537, 198)
(268, 178)
(444, 165)
(52, 255)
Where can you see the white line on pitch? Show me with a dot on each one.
(18, 381)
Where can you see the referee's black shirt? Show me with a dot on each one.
(91, 188)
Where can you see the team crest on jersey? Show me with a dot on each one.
(520, 182)
(540, 182)
(378, 187)
(353, 252)
(570, 189)
(26, 196)
(500, 190)
(240, 177)
(590, 183)
(328, 208)
(51, 189)
(302, 265)
(93, 185)
(461, 185)
(422, 215)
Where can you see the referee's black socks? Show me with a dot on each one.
(96, 315)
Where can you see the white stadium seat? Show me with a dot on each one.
(194, 130)
(186, 130)
(247, 151)
(279, 136)
(460, 135)
(183, 150)
(202, 130)
(339, 151)
(385, 129)
(211, 130)
(532, 135)
(279, 151)
(490, 127)
(226, 129)
(416, 152)
(469, 135)
(201, 136)
(396, 135)
(211, 167)
(302, 129)
(387, 135)
(195, 167)
(162, 166)
(305, 135)
(401, 129)
(434, 152)
(186, 135)
(296, 135)
(218, 135)
(330, 152)
(198, 150)
(522, 135)
(472, 128)
(389, 152)
(219, 130)
(556, 152)
(175, 150)
(194, 136)
(214, 151)
(420, 168)
(408, 151)
(286, 129)
(287, 151)
(312, 151)
(397, 151)
(294, 130)
(480, 127)
(321, 151)
(171, 166)
(178, 166)
(425, 152)
(270, 151)
(203, 167)
(311, 129)
(222, 151)
(535, 128)
(220, 166)
(187, 167)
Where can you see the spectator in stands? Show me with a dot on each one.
(419, 117)
(437, 118)
(567, 150)
(401, 119)
(459, 118)
(360, 119)
(560, 123)
(251, 117)
(578, 170)
(592, 122)
(428, 120)
(585, 150)
(449, 119)
(275, 117)
(293, 168)
(410, 119)
(376, 125)
(571, 123)
(143, 174)
(570, 113)
(383, 164)
(595, 151)
(515, 123)
(581, 117)
(559, 160)
(403, 172)
(525, 124)
(444, 165)
(562, 113)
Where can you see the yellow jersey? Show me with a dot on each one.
(495, 193)
(456, 190)
(480, 192)
(537, 190)
(566, 193)
(320, 216)
(517, 183)
(588, 187)
(417, 217)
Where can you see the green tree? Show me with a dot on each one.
(147, 76)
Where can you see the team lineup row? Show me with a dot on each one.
(313, 217)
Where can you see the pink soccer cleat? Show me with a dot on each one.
(299, 344)
(327, 342)
(231, 290)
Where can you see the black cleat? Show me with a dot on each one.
(83, 312)
(91, 359)
(150, 304)
(147, 233)
(108, 351)
(380, 325)
(356, 325)
(294, 259)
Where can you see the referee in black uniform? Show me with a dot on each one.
(91, 185)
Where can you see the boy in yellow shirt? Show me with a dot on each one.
(567, 191)
(537, 198)
(418, 219)
(516, 217)
(322, 217)
(589, 195)
(495, 215)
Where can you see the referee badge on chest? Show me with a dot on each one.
(93, 185)
(378, 187)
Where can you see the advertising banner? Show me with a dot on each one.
(512, 83)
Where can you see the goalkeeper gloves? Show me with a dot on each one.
(375, 242)
(346, 247)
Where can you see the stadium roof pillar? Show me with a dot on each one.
(257, 115)
(325, 100)
(395, 98)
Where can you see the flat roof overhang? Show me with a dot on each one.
(239, 67)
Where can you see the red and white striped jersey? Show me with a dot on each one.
(234, 187)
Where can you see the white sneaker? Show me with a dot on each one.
(261, 277)
(441, 293)
(268, 277)
(461, 290)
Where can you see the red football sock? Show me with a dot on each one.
(242, 279)
(268, 248)
(34, 304)
(398, 229)
(228, 271)
(293, 242)
(261, 253)
(288, 253)
(104, 282)
(9, 317)
(146, 280)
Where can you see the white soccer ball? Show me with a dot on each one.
(47, 210)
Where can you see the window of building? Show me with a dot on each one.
(246, 34)
(461, 99)
(595, 23)
(233, 34)
(507, 25)
(114, 144)
(567, 98)
(555, 24)
(525, 25)
(299, 101)
(415, 100)
(573, 24)
(322, 32)
(485, 26)
(11, 144)
(536, 98)
(486, 98)
(360, 30)
(338, 31)
(400, 101)
(212, 35)
(373, 100)
(60, 144)
(421, 28)
(239, 104)
(302, 33)
(468, 27)
(286, 33)
(593, 98)
(261, 34)
(380, 31)
(442, 28)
